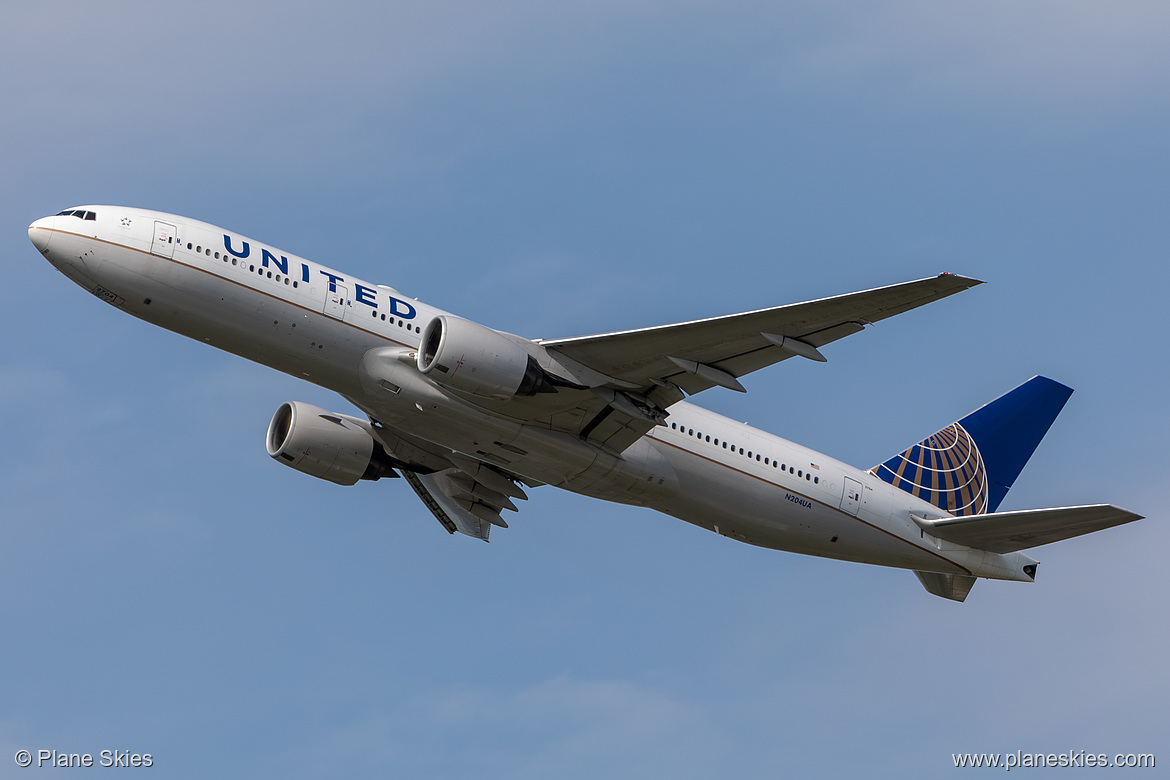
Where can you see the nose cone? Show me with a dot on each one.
(40, 232)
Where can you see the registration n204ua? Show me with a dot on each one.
(472, 417)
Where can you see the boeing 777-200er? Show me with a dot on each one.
(470, 416)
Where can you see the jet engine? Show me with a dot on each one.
(329, 446)
(464, 355)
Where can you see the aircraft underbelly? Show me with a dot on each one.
(287, 336)
(266, 329)
(752, 510)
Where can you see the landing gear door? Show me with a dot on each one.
(164, 240)
(851, 498)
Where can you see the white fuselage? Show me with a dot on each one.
(313, 322)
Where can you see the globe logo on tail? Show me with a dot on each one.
(945, 469)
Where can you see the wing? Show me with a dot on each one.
(704, 353)
(620, 385)
(463, 502)
(643, 372)
(1005, 532)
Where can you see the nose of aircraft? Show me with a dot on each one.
(40, 233)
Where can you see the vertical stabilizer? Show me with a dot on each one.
(968, 467)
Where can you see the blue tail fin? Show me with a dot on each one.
(967, 467)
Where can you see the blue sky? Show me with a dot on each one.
(555, 170)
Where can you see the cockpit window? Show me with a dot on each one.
(80, 214)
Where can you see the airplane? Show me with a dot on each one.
(470, 416)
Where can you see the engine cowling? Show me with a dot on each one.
(467, 356)
(334, 447)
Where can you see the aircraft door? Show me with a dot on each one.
(164, 240)
(851, 498)
(336, 301)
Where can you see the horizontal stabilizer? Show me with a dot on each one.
(1005, 532)
(950, 586)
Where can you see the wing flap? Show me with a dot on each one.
(436, 491)
(1005, 532)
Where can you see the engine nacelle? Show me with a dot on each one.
(467, 356)
(329, 446)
